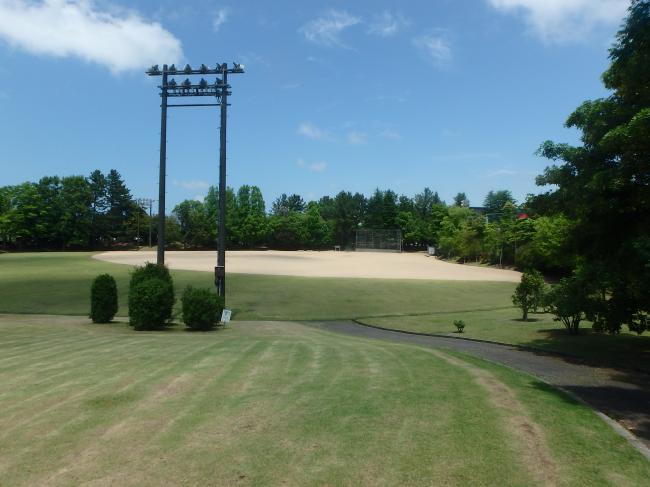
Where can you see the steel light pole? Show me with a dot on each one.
(220, 90)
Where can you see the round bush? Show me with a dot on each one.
(150, 270)
(157, 272)
(103, 299)
(150, 306)
(201, 308)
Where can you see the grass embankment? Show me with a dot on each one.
(59, 283)
(281, 404)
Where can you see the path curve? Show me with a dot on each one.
(619, 394)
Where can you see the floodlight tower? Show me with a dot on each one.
(220, 90)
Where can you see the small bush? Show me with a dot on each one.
(150, 270)
(529, 294)
(460, 325)
(150, 306)
(201, 308)
(103, 299)
(165, 295)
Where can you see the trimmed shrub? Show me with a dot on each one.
(201, 308)
(103, 299)
(460, 325)
(529, 294)
(150, 270)
(165, 296)
(149, 304)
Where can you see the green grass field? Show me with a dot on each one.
(59, 283)
(281, 404)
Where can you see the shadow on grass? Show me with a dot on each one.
(529, 320)
(623, 350)
(629, 405)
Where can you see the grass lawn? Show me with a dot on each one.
(505, 325)
(59, 283)
(281, 404)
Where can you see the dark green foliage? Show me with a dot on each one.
(103, 299)
(149, 304)
(201, 308)
(151, 297)
(603, 185)
(568, 300)
(460, 325)
(529, 293)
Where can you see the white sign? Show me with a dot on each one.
(225, 316)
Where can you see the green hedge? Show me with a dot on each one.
(103, 299)
(201, 308)
(151, 297)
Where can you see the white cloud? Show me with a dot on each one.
(326, 30)
(77, 28)
(357, 138)
(435, 48)
(193, 185)
(556, 21)
(318, 166)
(220, 18)
(387, 24)
(310, 131)
(312, 166)
(391, 134)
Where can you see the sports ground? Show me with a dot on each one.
(275, 399)
(368, 265)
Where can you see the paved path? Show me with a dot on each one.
(622, 395)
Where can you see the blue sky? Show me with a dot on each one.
(452, 94)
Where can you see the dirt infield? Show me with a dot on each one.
(321, 264)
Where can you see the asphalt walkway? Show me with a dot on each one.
(620, 394)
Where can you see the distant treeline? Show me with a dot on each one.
(98, 211)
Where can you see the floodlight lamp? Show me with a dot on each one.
(188, 69)
(218, 82)
(172, 69)
(172, 84)
(204, 68)
(187, 83)
(238, 66)
(154, 69)
(203, 83)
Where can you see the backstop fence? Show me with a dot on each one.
(368, 239)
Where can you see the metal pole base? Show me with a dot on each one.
(220, 281)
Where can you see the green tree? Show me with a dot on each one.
(120, 206)
(288, 204)
(318, 231)
(495, 200)
(568, 301)
(603, 185)
(461, 200)
(194, 223)
(529, 293)
(76, 212)
(98, 206)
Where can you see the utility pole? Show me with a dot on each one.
(220, 270)
(162, 174)
(220, 90)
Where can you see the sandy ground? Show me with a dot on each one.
(321, 264)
